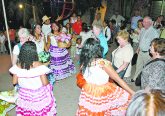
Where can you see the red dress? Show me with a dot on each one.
(77, 27)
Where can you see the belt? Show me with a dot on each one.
(144, 51)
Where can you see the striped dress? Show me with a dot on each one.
(34, 99)
(60, 62)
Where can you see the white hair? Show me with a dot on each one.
(148, 18)
(23, 33)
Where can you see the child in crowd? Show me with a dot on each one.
(73, 18)
(135, 35)
(68, 28)
(35, 96)
(78, 49)
(73, 46)
(2, 42)
(46, 27)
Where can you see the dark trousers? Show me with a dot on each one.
(13, 43)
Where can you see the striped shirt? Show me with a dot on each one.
(146, 36)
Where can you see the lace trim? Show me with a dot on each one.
(100, 62)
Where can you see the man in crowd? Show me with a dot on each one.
(147, 34)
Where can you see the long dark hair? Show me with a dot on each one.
(57, 24)
(90, 51)
(33, 29)
(28, 54)
(107, 23)
(85, 27)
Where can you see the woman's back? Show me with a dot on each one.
(95, 74)
(30, 79)
(34, 98)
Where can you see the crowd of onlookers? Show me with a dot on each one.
(88, 45)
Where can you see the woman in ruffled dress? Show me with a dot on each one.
(35, 96)
(42, 50)
(39, 39)
(60, 62)
(99, 96)
(7, 98)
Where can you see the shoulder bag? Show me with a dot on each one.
(138, 79)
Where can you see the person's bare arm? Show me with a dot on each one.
(45, 45)
(122, 67)
(43, 77)
(44, 80)
(138, 50)
(59, 18)
(48, 42)
(15, 79)
(14, 59)
(113, 75)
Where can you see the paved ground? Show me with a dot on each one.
(65, 91)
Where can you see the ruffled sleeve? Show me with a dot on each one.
(64, 37)
(34, 72)
(104, 61)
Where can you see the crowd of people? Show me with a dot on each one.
(45, 55)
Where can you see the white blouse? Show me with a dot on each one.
(53, 40)
(121, 55)
(96, 75)
(29, 79)
(39, 44)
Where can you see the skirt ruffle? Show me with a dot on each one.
(61, 63)
(40, 102)
(103, 100)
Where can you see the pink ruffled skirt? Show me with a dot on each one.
(40, 102)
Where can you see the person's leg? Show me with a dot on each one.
(73, 51)
(146, 58)
(142, 59)
(13, 43)
(135, 46)
(139, 66)
(3, 47)
(7, 47)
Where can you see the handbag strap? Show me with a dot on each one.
(106, 32)
(125, 70)
(157, 59)
(127, 67)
